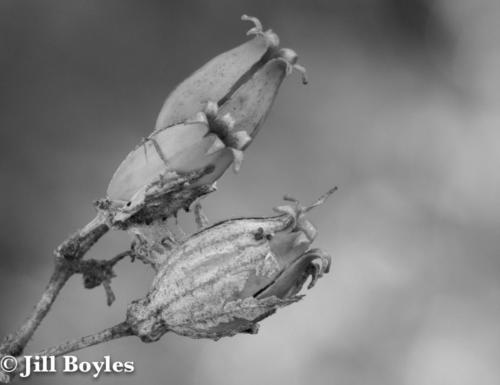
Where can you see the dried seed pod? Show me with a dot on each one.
(245, 79)
(226, 278)
(184, 156)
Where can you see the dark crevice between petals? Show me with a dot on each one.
(271, 53)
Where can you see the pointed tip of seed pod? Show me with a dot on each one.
(217, 145)
(272, 38)
(211, 109)
(321, 199)
(303, 72)
(257, 29)
(237, 159)
(297, 211)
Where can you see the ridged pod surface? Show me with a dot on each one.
(224, 279)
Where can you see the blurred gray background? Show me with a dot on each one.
(402, 113)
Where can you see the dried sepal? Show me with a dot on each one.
(162, 198)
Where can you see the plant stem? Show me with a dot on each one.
(69, 252)
(76, 246)
(15, 343)
(120, 330)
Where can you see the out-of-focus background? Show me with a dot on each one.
(402, 113)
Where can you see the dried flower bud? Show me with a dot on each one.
(244, 79)
(224, 279)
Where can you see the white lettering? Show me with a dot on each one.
(70, 365)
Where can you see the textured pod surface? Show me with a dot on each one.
(224, 279)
